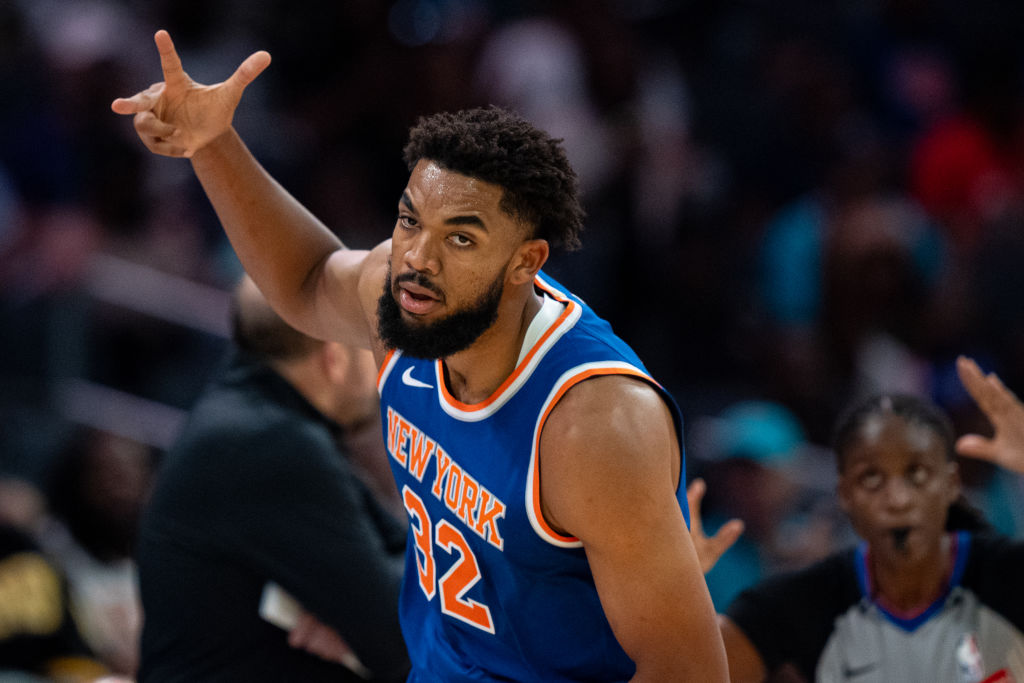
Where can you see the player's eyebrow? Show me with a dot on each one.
(465, 219)
(468, 219)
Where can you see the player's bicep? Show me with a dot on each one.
(609, 471)
(609, 455)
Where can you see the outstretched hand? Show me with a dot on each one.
(178, 116)
(1003, 409)
(709, 549)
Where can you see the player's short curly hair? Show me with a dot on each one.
(500, 147)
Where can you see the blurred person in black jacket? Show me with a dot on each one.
(259, 525)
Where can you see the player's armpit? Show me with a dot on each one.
(610, 466)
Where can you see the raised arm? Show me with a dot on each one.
(610, 465)
(1003, 409)
(298, 264)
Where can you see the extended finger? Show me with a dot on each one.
(975, 446)
(249, 69)
(694, 495)
(987, 391)
(140, 101)
(170, 63)
(728, 534)
(721, 542)
(970, 375)
(1001, 397)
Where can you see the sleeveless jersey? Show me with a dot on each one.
(491, 592)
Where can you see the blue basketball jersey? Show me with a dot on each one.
(491, 591)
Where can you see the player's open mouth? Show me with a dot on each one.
(415, 299)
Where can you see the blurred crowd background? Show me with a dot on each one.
(791, 204)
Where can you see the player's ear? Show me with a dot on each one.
(530, 256)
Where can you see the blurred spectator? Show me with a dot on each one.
(97, 489)
(759, 468)
(39, 639)
(849, 276)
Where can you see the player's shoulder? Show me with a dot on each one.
(606, 427)
(613, 400)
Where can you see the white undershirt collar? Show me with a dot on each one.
(545, 318)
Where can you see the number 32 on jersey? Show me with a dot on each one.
(457, 581)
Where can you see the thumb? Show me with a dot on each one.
(249, 69)
(143, 101)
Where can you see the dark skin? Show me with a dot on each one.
(886, 486)
(610, 460)
(896, 484)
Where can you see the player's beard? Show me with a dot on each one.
(441, 338)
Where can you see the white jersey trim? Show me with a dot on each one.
(569, 377)
(548, 337)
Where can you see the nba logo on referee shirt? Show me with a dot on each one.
(968, 660)
(970, 666)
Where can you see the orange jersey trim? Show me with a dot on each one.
(570, 309)
(534, 484)
(385, 369)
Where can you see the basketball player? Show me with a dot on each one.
(540, 465)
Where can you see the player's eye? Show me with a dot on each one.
(460, 240)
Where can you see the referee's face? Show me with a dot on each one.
(896, 486)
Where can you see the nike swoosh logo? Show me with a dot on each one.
(855, 671)
(408, 379)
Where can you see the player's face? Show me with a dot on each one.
(451, 251)
(897, 486)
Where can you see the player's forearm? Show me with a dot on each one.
(279, 242)
(690, 662)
